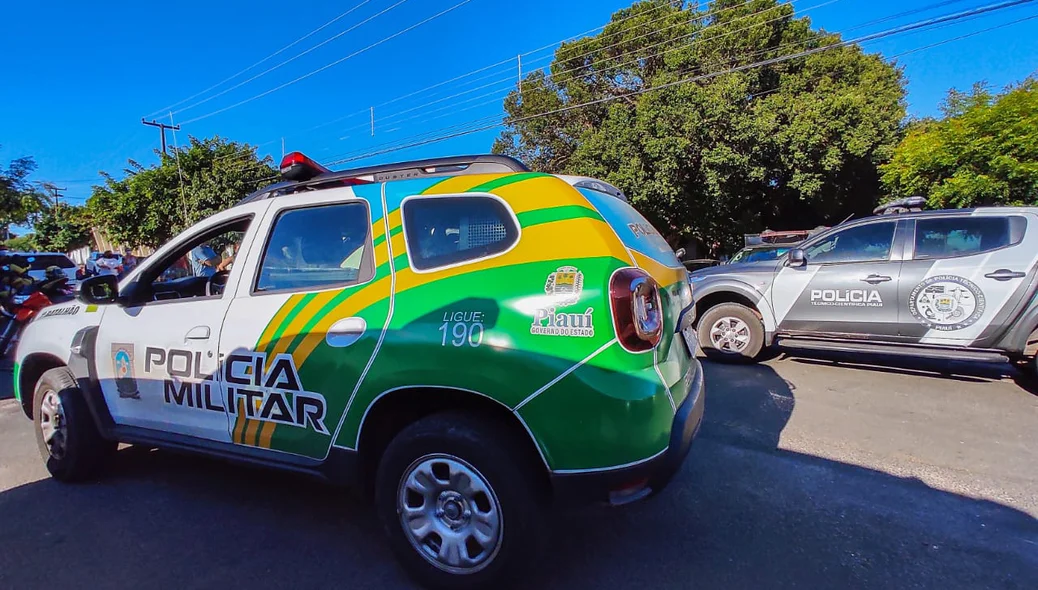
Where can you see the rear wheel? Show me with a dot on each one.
(731, 332)
(65, 432)
(460, 506)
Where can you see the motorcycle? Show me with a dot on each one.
(27, 301)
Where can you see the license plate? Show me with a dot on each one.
(691, 339)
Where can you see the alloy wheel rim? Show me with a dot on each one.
(730, 335)
(450, 513)
(53, 425)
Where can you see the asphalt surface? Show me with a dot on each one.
(809, 473)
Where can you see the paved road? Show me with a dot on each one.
(809, 474)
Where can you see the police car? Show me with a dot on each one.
(942, 284)
(467, 340)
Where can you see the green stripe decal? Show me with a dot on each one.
(539, 216)
(291, 316)
(400, 261)
(377, 241)
(325, 310)
(505, 180)
(396, 230)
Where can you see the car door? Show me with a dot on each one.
(307, 319)
(964, 275)
(849, 285)
(156, 355)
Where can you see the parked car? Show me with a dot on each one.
(468, 341)
(956, 284)
(759, 253)
(41, 261)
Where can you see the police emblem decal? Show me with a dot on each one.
(566, 284)
(122, 367)
(564, 287)
(947, 303)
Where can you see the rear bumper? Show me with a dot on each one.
(628, 483)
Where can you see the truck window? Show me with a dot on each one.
(946, 237)
(445, 231)
(317, 248)
(863, 243)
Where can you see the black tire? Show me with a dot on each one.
(754, 331)
(82, 450)
(515, 483)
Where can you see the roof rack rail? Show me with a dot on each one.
(428, 168)
(906, 205)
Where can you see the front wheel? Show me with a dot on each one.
(731, 332)
(65, 432)
(460, 506)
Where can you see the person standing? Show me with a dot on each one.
(129, 261)
(107, 264)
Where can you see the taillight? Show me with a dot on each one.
(637, 309)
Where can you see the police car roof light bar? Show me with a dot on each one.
(300, 172)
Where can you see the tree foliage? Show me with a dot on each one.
(20, 200)
(790, 145)
(62, 228)
(151, 205)
(984, 151)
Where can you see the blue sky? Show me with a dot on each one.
(85, 73)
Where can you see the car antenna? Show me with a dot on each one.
(846, 219)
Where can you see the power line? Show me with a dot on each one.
(531, 52)
(291, 59)
(334, 63)
(279, 51)
(965, 36)
(863, 39)
(602, 71)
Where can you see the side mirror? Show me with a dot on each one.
(101, 289)
(680, 253)
(796, 258)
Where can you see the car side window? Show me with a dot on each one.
(946, 237)
(863, 243)
(444, 231)
(318, 247)
(204, 259)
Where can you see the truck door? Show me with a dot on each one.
(964, 275)
(849, 285)
(306, 319)
(156, 354)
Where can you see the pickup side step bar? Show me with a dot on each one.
(909, 350)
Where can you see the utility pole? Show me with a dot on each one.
(519, 59)
(54, 190)
(162, 130)
(373, 121)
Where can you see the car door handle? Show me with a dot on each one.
(875, 279)
(1004, 274)
(198, 333)
(345, 332)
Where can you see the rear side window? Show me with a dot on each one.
(445, 231)
(42, 261)
(947, 237)
(318, 247)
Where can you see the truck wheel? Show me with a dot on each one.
(65, 432)
(460, 506)
(731, 332)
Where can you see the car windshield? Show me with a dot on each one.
(43, 261)
(758, 254)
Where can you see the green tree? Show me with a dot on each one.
(150, 205)
(62, 228)
(20, 200)
(983, 151)
(789, 145)
(25, 243)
